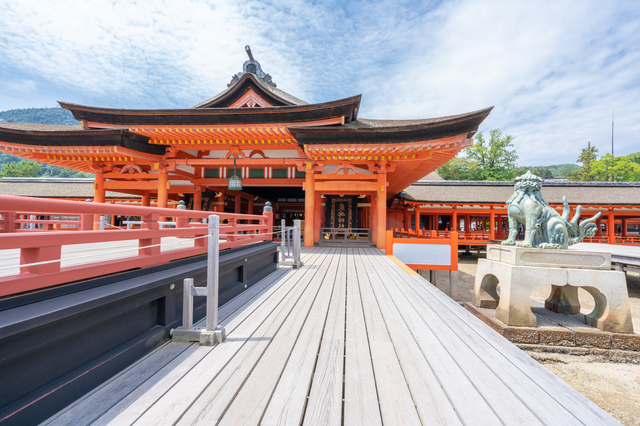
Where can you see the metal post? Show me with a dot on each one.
(32, 225)
(296, 244)
(102, 222)
(213, 272)
(187, 304)
(283, 237)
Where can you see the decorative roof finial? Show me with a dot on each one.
(248, 49)
(253, 67)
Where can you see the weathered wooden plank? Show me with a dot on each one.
(213, 399)
(462, 342)
(360, 395)
(249, 405)
(325, 397)
(91, 406)
(574, 402)
(289, 398)
(432, 402)
(130, 407)
(536, 386)
(396, 404)
(501, 399)
(468, 398)
(169, 404)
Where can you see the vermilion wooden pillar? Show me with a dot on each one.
(624, 226)
(381, 208)
(374, 219)
(238, 206)
(309, 206)
(492, 225)
(317, 217)
(417, 219)
(219, 208)
(611, 228)
(163, 190)
(98, 196)
(146, 199)
(454, 219)
(407, 219)
(250, 211)
(197, 198)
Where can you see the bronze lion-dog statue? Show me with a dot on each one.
(544, 227)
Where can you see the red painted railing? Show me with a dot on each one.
(471, 237)
(619, 240)
(40, 252)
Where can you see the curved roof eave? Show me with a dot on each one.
(78, 138)
(347, 107)
(389, 131)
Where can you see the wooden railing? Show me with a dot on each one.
(346, 235)
(40, 252)
(619, 240)
(471, 237)
(434, 254)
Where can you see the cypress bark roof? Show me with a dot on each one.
(469, 192)
(54, 188)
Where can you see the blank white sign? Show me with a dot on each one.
(423, 254)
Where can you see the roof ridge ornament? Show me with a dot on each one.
(253, 67)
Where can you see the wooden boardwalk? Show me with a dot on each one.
(351, 338)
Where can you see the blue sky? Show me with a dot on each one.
(554, 70)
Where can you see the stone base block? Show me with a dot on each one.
(557, 336)
(582, 339)
(520, 271)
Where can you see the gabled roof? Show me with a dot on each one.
(249, 81)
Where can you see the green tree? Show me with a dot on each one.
(635, 157)
(615, 169)
(459, 168)
(24, 168)
(495, 158)
(586, 158)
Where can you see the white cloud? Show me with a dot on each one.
(553, 69)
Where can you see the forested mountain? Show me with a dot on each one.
(55, 115)
(11, 165)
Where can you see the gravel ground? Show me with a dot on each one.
(615, 387)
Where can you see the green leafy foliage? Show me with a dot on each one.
(544, 172)
(615, 169)
(608, 167)
(459, 168)
(487, 159)
(24, 168)
(587, 157)
(495, 157)
(12, 166)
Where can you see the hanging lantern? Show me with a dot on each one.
(235, 182)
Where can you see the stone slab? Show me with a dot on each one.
(549, 334)
(527, 256)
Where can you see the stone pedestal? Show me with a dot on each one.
(519, 271)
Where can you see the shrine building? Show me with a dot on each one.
(250, 144)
